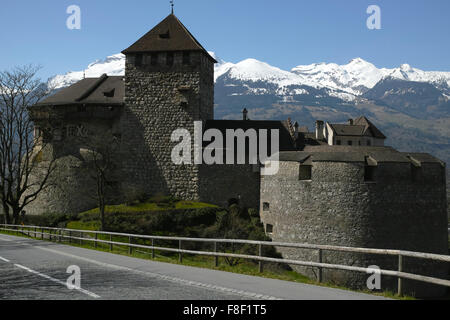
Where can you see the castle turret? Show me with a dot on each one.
(169, 84)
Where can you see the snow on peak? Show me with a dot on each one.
(353, 78)
(113, 66)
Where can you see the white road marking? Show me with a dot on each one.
(91, 294)
(161, 276)
(3, 259)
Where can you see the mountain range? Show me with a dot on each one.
(411, 106)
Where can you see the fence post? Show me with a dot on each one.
(319, 276)
(81, 238)
(130, 249)
(400, 280)
(153, 249)
(42, 233)
(70, 236)
(35, 232)
(60, 235)
(110, 243)
(260, 255)
(216, 258)
(180, 254)
(96, 238)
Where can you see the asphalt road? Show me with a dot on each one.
(35, 270)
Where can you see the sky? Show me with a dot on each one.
(283, 33)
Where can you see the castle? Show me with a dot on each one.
(338, 185)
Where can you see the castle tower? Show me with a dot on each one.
(169, 84)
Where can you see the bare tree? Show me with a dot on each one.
(19, 150)
(101, 165)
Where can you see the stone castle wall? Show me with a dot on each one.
(160, 99)
(337, 207)
(221, 183)
(71, 137)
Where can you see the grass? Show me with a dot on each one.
(152, 206)
(245, 267)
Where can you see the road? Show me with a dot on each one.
(35, 270)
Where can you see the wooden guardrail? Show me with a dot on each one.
(60, 234)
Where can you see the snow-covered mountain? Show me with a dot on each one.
(344, 81)
(411, 106)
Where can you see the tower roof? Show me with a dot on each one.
(169, 35)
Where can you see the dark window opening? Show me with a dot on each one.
(266, 206)
(138, 60)
(169, 59)
(369, 174)
(359, 142)
(369, 143)
(165, 35)
(184, 104)
(110, 93)
(233, 201)
(305, 172)
(338, 142)
(186, 57)
(350, 143)
(154, 59)
(82, 109)
(415, 173)
(269, 228)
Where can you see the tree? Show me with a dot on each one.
(100, 162)
(20, 152)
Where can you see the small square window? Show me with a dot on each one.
(169, 59)
(369, 174)
(350, 143)
(186, 58)
(138, 60)
(266, 206)
(154, 59)
(415, 173)
(338, 142)
(269, 228)
(305, 172)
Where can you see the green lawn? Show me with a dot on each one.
(152, 206)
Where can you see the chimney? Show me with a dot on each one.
(245, 115)
(350, 122)
(296, 129)
(319, 130)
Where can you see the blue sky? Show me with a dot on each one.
(283, 33)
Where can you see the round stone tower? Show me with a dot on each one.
(369, 197)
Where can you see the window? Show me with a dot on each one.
(138, 60)
(269, 228)
(186, 57)
(338, 142)
(350, 143)
(369, 143)
(169, 59)
(266, 206)
(82, 108)
(305, 172)
(233, 201)
(184, 104)
(369, 174)
(415, 173)
(154, 59)
(110, 93)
